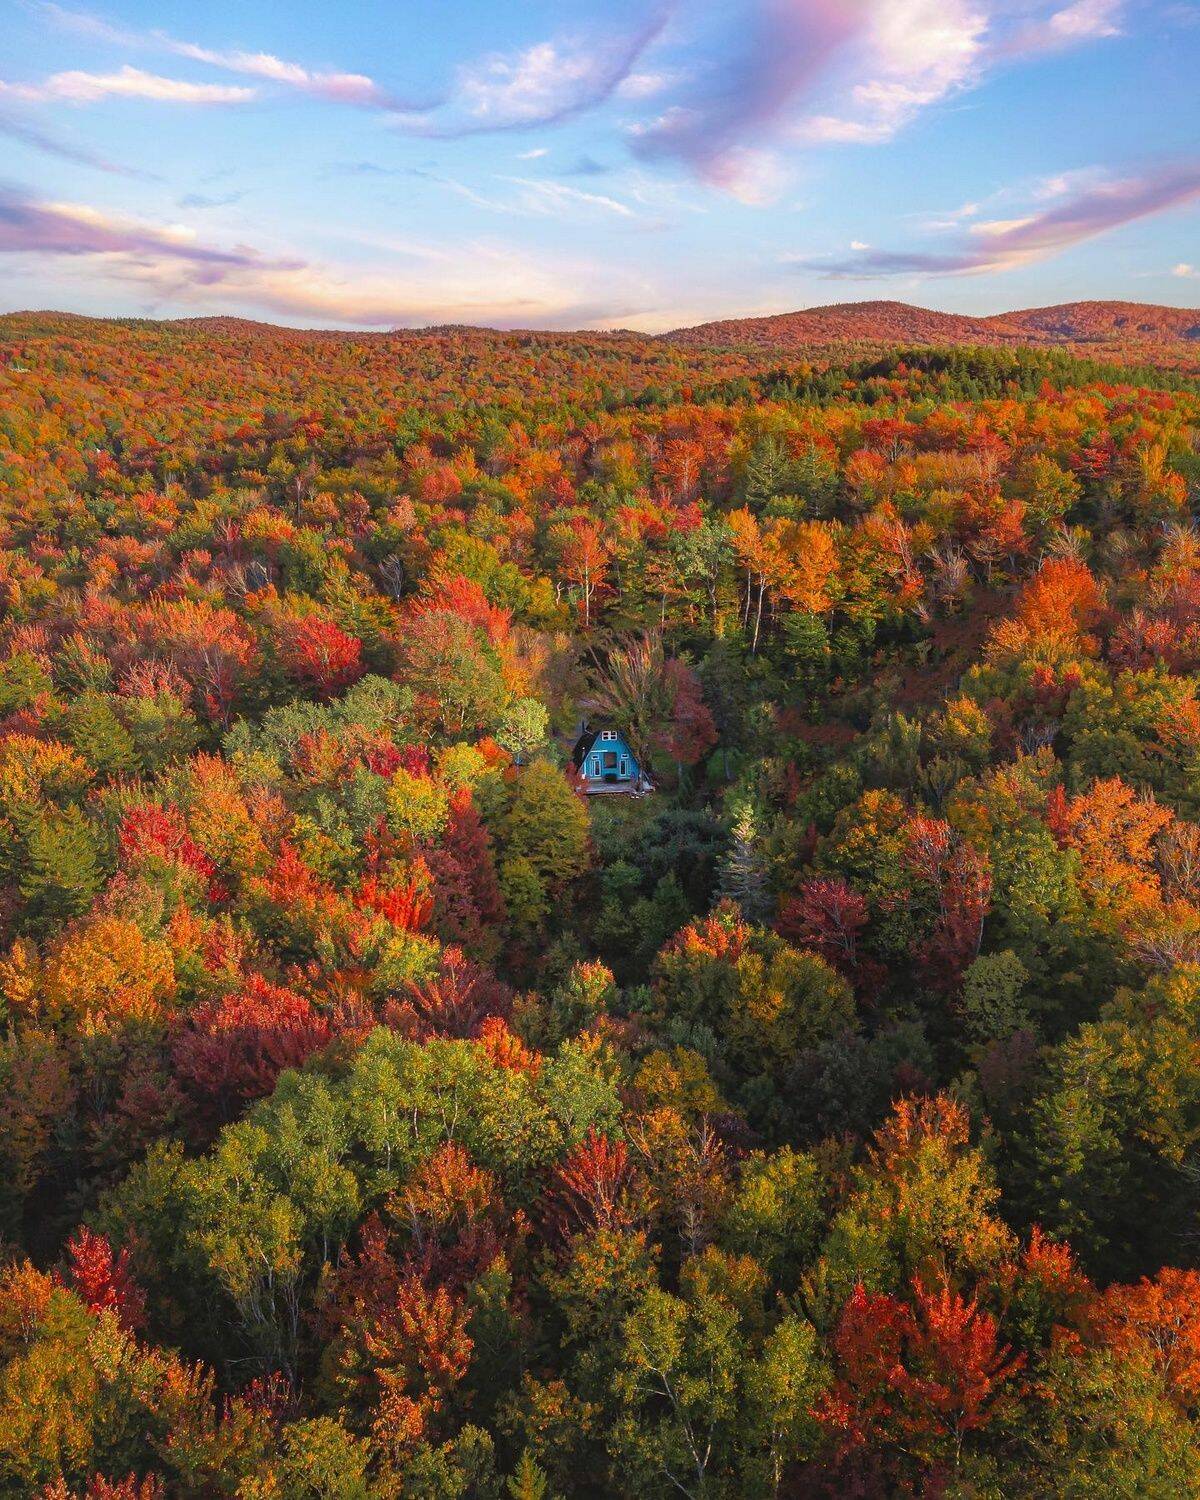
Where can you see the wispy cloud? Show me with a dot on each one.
(542, 194)
(18, 129)
(169, 263)
(538, 197)
(1071, 183)
(912, 54)
(204, 200)
(334, 86)
(75, 87)
(1083, 21)
(586, 165)
(1003, 244)
(645, 83)
(1185, 272)
(337, 88)
(949, 218)
(716, 121)
(34, 226)
(363, 169)
(544, 84)
(84, 23)
(854, 72)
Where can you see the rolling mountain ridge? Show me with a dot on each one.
(1106, 327)
(886, 322)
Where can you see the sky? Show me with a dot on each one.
(595, 163)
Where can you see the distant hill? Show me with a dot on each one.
(227, 328)
(1122, 331)
(1119, 324)
(1082, 322)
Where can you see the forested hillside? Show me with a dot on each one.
(381, 1116)
(1120, 330)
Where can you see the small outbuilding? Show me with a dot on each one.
(606, 763)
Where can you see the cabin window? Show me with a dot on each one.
(608, 734)
(624, 768)
(595, 765)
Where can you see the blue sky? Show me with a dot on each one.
(595, 163)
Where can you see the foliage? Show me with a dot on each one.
(380, 1115)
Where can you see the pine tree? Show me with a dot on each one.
(768, 472)
(814, 478)
(62, 871)
(743, 877)
(98, 734)
(529, 1481)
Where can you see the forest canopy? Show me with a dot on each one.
(381, 1115)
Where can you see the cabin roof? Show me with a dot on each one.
(589, 737)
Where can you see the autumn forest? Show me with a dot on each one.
(383, 1116)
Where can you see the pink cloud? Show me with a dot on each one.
(1082, 21)
(17, 128)
(338, 88)
(75, 87)
(541, 85)
(912, 55)
(1003, 245)
(31, 226)
(331, 85)
(716, 120)
(544, 84)
(842, 72)
(472, 283)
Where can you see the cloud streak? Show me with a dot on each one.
(540, 197)
(172, 264)
(356, 89)
(337, 88)
(1003, 245)
(76, 87)
(545, 84)
(33, 226)
(716, 120)
(1083, 21)
(912, 54)
(847, 72)
(29, 134)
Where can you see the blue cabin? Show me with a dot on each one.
(606, 763)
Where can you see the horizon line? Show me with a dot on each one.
(381, 331)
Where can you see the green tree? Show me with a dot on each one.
(543, 836)
(62, 867)
(529, 1480)
(318, 1460)
(777, 1213)
(782, 1387)
(743, 873)
(678, 1389)
(94, 729)
(1117, 1124)
(992, 998)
